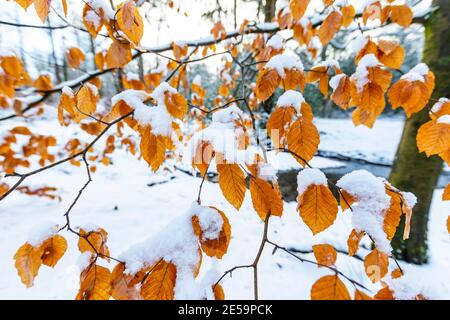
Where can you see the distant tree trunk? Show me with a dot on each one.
(269, 10)
(21, 42)
(54, 58)
(413, 171)
(141, 68)
(235, 13)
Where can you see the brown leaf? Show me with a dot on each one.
(384, 294)
(433, 138)
(118, 55)
(376, 265)
(74, 57)
(325, 254)
(359, 295)
(329, 288)
(446, 194)
(317, 207)
(266, 197)
(298, 8)
(122, 287)
(160, 283)
(219, 294)
(93, 241)
(153, 148)
(28, 262)
(303, 139)
(266, 83)
(95, 283)
(353, 241)
(42, 8)
(130, 22)
(176, 104)
(52, 250)
(329, 27)
(232, 183)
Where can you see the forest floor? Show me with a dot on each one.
(120, 200)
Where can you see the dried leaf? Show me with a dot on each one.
(317, 207)
(52, 250)
(160, 283)
(303, 139)
(329, 288)
(325, 254)
(232, 183)
(95, 283)
(376, 265)
(28, 262)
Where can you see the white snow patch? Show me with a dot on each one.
(371, 204)
(42, 232)
(308, 177)
(417, 73)
(444, 119)
(291, 98)
(280, 62)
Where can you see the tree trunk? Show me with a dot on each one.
(54, 58)
(269, 10)
(412, 171)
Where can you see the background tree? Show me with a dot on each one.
(412, 170)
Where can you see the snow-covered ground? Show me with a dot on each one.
(120, 201)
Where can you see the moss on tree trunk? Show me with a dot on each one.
(412, 171)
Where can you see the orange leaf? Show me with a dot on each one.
(384, 294)
(325, 254)
(266, 83)
(86, 102)
(43, 82)
(353, 241)
(329, 288)
(219, 294)
(122, 286)
(266, 197)
(93, 241)
(278, 123)
(446, 194)
(24, 3)
(303, 139)
(130, 22)
(95, 283)
(232, 183)
(42, 8)
(376, 265)
(202, 157)
(28, 262)
(348, 13)
(176, 104)
(329, 27)
(401, 15)
(317, 207)
(90, 15)
(52, 250)
(298, 8)
(359, 295)
(153, 148)
(118, 55)
(392, 215)
(433, 138)
(21, 130)
(160, 283)
(411, 96)
(74, 57)
(218, 31)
